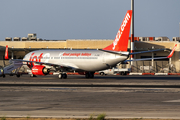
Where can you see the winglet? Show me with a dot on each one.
(170, 55)
(6, 53)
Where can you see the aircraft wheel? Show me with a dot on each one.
(91, 75)
(87, 75)
(18, 75)
(64, 75)
(4, 75)
(33, 75)
(60, 76)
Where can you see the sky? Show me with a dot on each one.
(87, 19)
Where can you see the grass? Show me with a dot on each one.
(28, 116)
(101, 116)
(3, 118)
(91, 117)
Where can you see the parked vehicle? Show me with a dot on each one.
(115, 71)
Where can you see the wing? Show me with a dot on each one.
(64, 65)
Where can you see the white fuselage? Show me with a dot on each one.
(82, 60)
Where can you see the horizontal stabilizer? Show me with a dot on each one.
(149, 51)
(169, 56)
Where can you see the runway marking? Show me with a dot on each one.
(61, 89)
(86, 85)
(172, 100)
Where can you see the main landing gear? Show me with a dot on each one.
(62, 76)
(89, 75)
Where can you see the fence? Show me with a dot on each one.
(157, 67)
(137, 67)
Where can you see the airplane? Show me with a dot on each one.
(85, 62)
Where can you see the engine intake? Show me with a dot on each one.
(40, 70)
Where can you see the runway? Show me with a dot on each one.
(103, 94)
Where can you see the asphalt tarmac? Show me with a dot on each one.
(116, 96)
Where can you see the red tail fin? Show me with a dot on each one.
(121, 41)
(6, 53)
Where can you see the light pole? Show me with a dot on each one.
(179, 29)
(132, 31)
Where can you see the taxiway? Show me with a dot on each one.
(116, 96)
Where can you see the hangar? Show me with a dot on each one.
(18, 48)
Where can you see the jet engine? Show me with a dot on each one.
(40, 70)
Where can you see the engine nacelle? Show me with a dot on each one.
(40, 70)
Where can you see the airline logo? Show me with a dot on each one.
(36, 58)
(118, 36)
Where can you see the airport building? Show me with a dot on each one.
(18, 47)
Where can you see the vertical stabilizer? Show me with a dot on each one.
(121, 40)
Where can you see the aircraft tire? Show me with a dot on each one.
(60, 76)
(91, 75)
(18, 75)
(33, 75)
(87, 75)
(64, 76)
